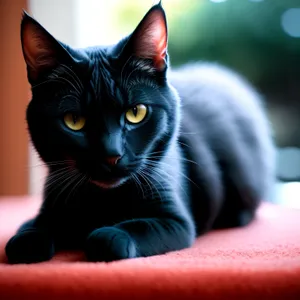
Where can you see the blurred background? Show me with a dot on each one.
(260, 39)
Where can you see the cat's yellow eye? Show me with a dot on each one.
(136, 114)
(74, 122)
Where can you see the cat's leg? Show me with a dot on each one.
(205, 182)
(239, 205)
(138, 238)
(246, 178)
(31, 244)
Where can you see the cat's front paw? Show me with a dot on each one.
(29, 246)
(109, 244)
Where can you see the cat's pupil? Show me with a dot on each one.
(135, 111)
(75, 118)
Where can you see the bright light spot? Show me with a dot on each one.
(288, 194)
(290, 22)
(217, 1)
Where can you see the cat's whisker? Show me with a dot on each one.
(59, 170)
(73, 95)
(157, 170)
(160, 172)
(149, 177)
(180, 173)
(184, 144)
(59, 161)
(180, 142)
(57, 79)
(70, 184)
(53, 179)
(55, 176)
(81, 182)
(141, 185)
(74, 76)
(153, 178)
(127, 61)
(129, 75)
(138, 183)
(156, 152)
(41, 83)
(73, 175)
(180, 159)
(54, 173)
(153, 169)
(144, 177)
(62, 79)
(86, 179)
(51, 188)
(76, 183)
(171, 157)
(187, 133)
(68, 180)
(157, 201)
(47, 164)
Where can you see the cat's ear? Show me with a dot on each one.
(150, 38)
(42, 52)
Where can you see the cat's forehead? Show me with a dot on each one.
(103, 84)
(117, 84)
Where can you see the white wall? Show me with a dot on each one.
(94, 21)
(57, 16)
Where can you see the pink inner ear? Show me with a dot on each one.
(38, 52)
(151, 39)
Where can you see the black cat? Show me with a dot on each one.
(137, 168)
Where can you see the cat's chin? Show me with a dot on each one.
(109, 184)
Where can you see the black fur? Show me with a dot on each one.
(201, 159)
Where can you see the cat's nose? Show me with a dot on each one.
(112, 160)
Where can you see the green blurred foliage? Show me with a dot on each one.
(242, 34)
(127, 14)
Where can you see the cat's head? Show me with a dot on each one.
(104, 110)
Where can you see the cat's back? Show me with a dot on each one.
(213, 94)
(217, 102)
(223, 119)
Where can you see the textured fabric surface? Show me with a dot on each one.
(260, 261)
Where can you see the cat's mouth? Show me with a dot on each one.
(109, 184)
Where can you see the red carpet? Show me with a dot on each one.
(261, 261)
